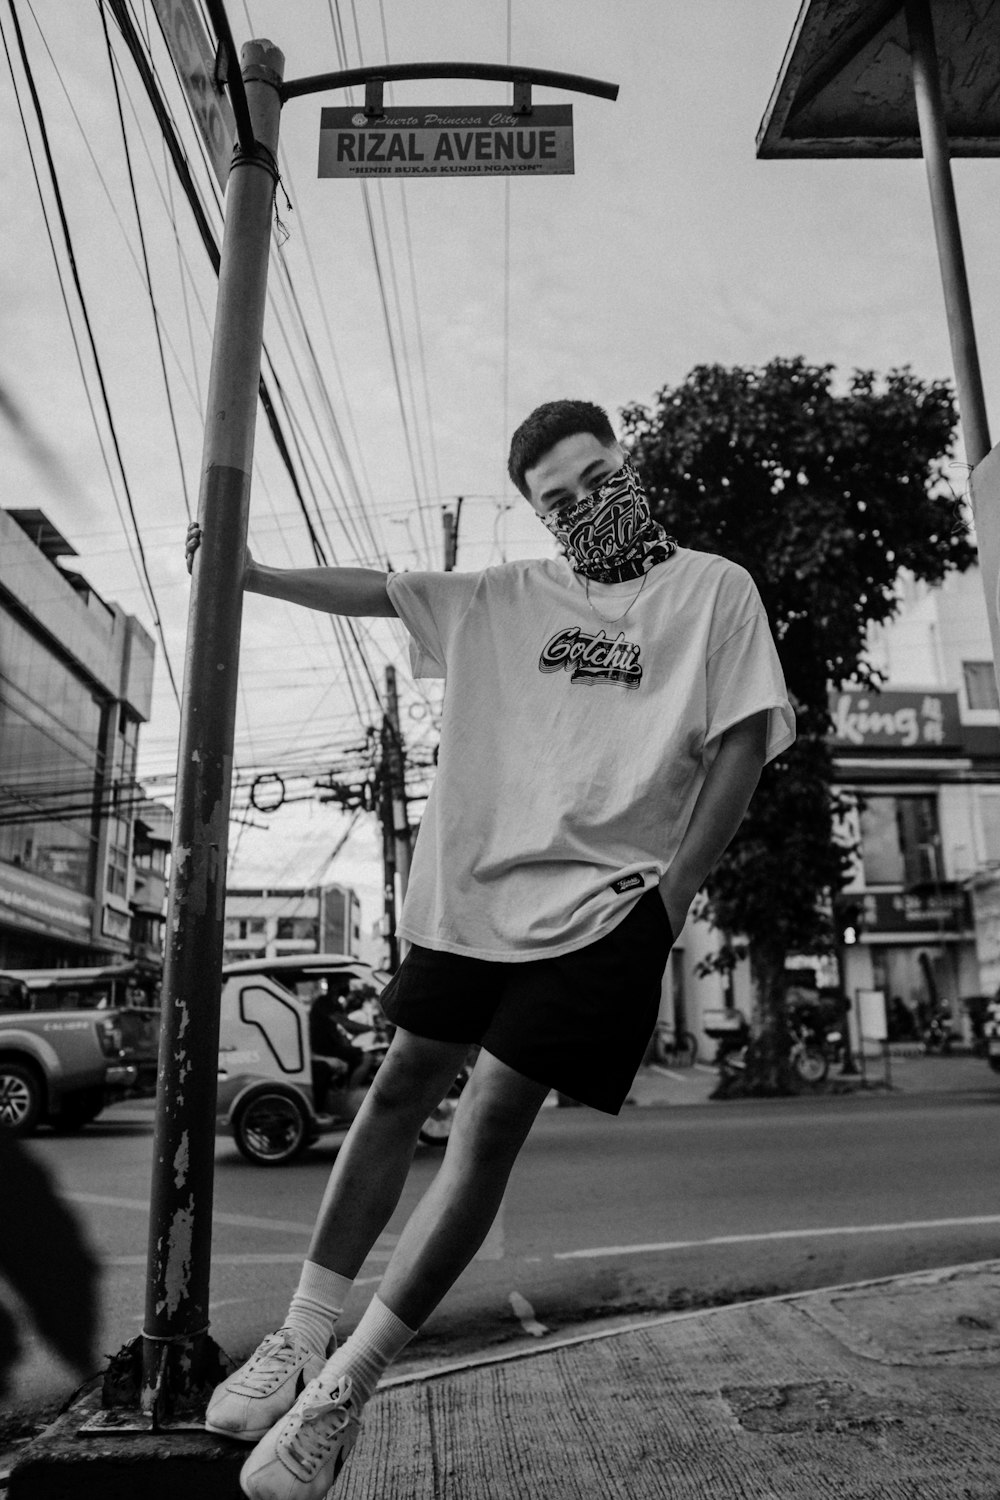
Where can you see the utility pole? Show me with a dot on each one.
(394, 776)
(450, 523)
(179, 1360)
(388, 854)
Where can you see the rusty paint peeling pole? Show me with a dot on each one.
(934, 142)
(179, 1361)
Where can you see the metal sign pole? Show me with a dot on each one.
(958, 305)
(177, 1356)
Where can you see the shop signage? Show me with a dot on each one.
(891, 720)
(27, 901)
(943, 910)
(451, 141)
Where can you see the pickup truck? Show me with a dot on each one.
(56, 1066)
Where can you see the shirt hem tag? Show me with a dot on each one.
(627, 883)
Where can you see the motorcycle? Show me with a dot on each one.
(271, 1098)
(731, 1036)
(937, 1035)
(807, 1055)
(345, 1093)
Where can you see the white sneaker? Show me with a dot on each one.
(249, 1402)
(301, 1458)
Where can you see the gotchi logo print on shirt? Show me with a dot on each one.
(592, 658)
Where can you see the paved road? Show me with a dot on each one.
(661, 1208)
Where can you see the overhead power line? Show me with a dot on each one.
(71, 256)
(150, 83)
(113, 67)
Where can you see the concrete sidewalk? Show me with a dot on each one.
(911, 1071)
(885, 1390)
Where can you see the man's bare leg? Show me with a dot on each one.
(302, 1455)
(363, 1190)
(372, 1164)
(451, 1221)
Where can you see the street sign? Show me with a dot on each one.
(446, 142)
(194, 58)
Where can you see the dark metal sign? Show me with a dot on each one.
(447, 142)
(194, 58)
(943, 910)
(892, 720)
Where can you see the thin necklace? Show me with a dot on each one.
(618, 618)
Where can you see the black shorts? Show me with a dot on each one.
(580, 1023)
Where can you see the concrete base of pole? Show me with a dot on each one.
(60, 1464)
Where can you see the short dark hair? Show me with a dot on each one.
(548, 425)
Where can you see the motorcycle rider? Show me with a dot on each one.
(330, 1030)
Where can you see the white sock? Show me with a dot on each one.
(317, 1304)
(371, 1348)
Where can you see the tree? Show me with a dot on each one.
(824, 496)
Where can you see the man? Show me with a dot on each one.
(606, 718)
(330, 1031)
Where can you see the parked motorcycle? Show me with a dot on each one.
(806, 1055)
(937, 1035)
(731, 1035)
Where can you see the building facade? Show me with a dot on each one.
(266, 922)
(919, 761)
(150, 874)
(75, 685)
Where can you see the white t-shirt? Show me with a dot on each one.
(572, 751)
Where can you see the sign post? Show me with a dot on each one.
(170, 1369)
(161, 1380)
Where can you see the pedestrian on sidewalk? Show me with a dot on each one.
(606, 717)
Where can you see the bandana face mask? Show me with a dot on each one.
(610, 535)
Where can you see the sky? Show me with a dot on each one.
(670, 246)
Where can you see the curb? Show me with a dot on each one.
(658, 1320)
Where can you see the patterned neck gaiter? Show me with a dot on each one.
(610, 535)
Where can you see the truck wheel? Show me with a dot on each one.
(77, 1111)
(271, 1129)
(20, 1098)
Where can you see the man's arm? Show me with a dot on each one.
(724, 798)
(335, 591)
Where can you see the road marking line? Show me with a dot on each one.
(124, 1262)
(668, 1073)
(235, 1221)
(232, 1221)
(979, 1220)
(525, 1315)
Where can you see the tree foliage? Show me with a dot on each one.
(823, 495)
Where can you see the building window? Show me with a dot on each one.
(900, 844)
(51, 764)
(980, 684)
(297, 929)
(989, 818)
(238, 929)
(116, 882)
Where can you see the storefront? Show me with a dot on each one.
(914, 778)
